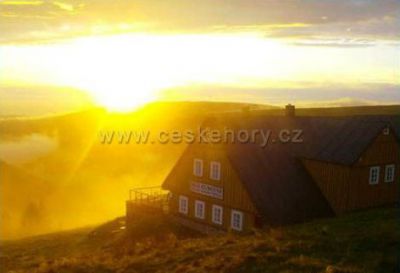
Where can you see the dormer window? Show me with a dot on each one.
(198, 167)
(215, 170)
(386, 131)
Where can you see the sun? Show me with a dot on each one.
(124, 100)
(125, 71)
(114, 71)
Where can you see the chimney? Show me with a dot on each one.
(290, 110)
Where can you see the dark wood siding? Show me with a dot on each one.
(384, 151)
(235, 195)
(333, 181)
(347, 187)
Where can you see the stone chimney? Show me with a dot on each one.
(290, 110)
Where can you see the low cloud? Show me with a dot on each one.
(18, 101)
(342, 43)
(302, 94)
(27, 148)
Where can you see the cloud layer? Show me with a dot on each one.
(303, 95)
(27, 148)
(28, 21)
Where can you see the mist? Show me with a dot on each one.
(27, 148)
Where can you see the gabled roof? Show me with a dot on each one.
(334, 139)
(279, 185)
(274, 176)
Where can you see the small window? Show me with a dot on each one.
(199, 209)
(386, 131)
(183, 204)
(215, 170)
(389, 173)
(217, 214)
(374, 175)
(198, 167)
(237, 220)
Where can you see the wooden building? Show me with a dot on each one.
(336, 164)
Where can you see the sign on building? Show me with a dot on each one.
(208, 190)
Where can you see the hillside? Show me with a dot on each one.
(19, 206)
(62, 161)
(367, 241)
(62, 164)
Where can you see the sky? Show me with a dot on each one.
(124, 53)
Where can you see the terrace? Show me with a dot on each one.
(145, 199)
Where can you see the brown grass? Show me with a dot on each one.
(363, 242)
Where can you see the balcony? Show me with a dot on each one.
(147, 199)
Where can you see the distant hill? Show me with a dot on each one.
(336, 111)
(348, 111)
(23, 101)
(69, 183)
(81, 181)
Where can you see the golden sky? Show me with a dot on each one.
(124, 53)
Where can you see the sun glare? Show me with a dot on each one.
(123, 72)
(126, 71)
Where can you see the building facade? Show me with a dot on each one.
(372, 180)
(343, 164)
(210, 191)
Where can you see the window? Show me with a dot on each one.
(237, 220)
(374, 175)
(217, 214)
(199, 209)
(389, 173)
(215, 170)
(198, 167)
(183, 204)
(386, 131)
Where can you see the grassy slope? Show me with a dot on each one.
(367, 241)
(81, 177)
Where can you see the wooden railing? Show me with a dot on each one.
(154, 197)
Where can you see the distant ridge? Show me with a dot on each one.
(335, 111)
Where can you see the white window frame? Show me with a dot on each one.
(198, 171)
(214, 219)
(233, 224)
(217, 174)
(391, 167)
(371, 175)
(183, 204)
(386, 131)
(200, 214)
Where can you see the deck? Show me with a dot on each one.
(146, 199)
